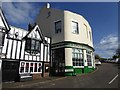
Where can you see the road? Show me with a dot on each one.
(106, 76)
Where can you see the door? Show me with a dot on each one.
(10, 71)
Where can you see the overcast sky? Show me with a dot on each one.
(103, 18)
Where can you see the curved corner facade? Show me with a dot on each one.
(72, 43)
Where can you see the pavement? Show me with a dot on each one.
(29, 83)
(40, 81)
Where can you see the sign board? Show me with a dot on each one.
(69, 70)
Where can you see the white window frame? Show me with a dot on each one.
(88, 53)
(29, 67)
(86, 29)
(90, 34)
(77, 27)
(76, 55)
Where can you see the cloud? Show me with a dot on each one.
(20, 13)
(107, 46)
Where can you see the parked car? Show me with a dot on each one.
(97, 62)
(117, 61)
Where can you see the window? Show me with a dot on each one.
(39, 67)
(75, 27)
(58, 27)
(90, 35)
(89, 61)
(22, 65)
(77, 57)
(86, 30)
(35, 67)
(30, 67)
(27, 67)
(32, 46)
(37, 45)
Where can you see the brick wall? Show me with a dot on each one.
(46, 74)
(36, 76)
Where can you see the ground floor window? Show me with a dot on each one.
(89, 58)
(30, 67)
(77, 57)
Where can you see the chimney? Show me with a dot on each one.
(48, 5)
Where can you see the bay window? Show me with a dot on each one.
(32, 46)
(89, 60)
(77, 57)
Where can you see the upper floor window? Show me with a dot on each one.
(32, 45)
(90, 35)
(58, 27)
(75, 29)
(86, 28)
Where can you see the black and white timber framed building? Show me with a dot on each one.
(26, 52)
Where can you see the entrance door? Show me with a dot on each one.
(10, 71)
(58, 57)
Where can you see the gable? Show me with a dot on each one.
(35, 33)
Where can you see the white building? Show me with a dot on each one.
(72, 43)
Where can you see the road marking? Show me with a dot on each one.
(113, 79)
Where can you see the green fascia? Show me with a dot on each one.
(87, 70)
(78, 70)
(69, 73)
(68, 67)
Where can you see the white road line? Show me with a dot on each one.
(113, 79)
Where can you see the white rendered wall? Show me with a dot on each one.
(68, 57)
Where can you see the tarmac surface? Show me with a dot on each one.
(105, 76)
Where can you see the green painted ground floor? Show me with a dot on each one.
(71, 71)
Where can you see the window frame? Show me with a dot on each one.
(77, 27)
(86, 29)
(33, 50)
(89, 58)
(77, 57)
(90, 34)
(33, 67)
(60, 26)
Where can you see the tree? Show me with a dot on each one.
(115, 56)
(97, 56)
